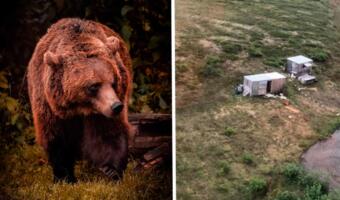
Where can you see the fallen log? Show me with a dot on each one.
(151, 124)
(141, 118)
(151, 145)
(161, 150)
(149, 142)
(153, 163)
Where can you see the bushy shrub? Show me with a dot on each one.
(292, 172)
(315, 192)
(255, 51)
(313, 187)
(14, 117)
(318, 55)
(286, 195)
(212, 68)
(248, 158)
(308, 180)
(232, 48)
(225, 167)
(290, 91)
(257, 186)
(229, 131)
(274, 62)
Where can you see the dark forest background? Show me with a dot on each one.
(144, 25)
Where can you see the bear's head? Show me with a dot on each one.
(86, 78)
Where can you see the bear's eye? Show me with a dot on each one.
(92, 90)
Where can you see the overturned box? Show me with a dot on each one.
(307, 79)
(262, 84)
(299, 65)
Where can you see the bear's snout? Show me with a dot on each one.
(107, 102)
(117, 107)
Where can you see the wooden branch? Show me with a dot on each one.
(157, 152)
(148, 142)
(139, 118)
(153, 163)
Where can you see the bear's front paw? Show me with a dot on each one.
(111, 172)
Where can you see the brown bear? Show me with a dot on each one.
(79, 83)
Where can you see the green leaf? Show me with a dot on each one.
(126, 31)
(20, 139)
(3, 80)
(126, 9)
(156, 56)
(143, 98)
(137, 61)
(146, 26)
(20, 125)
(162, 103)
(88, 11)
(3, 85)
(146, 109)
(12, 104)
(126, 34)
(154, 42)
(14, 118)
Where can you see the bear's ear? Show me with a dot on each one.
(113, 43)
(52, 59)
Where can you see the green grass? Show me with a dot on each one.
(315, 192)
(257, 187)
(292, 172)
(26, 175)
(304, 183)
(255, 51)
(274, 62)
(286, 195)
(326, 126)
(248, 159)
(318, 55)
(181, 68)
(212, 68)
(225, 167)
(229, 131)
(290, 91)
(231, 50)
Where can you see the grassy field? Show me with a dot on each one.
(228, 145)
(25, 174)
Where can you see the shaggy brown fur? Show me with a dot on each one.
(76, 70)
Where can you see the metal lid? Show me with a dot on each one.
(300, 59)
